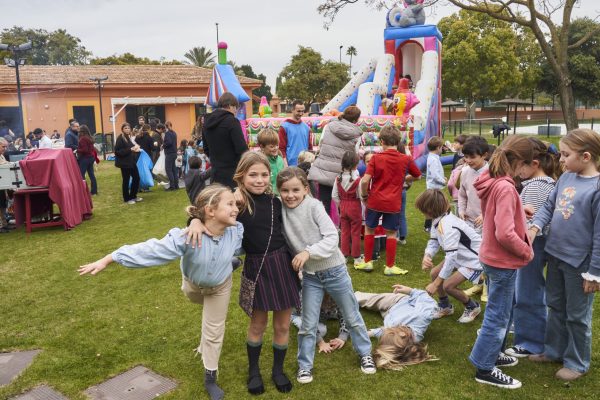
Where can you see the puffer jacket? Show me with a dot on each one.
(339, 136)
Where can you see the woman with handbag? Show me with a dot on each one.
(269, 282)
(207, 271)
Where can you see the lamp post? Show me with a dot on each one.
(341, 47)
(15, 62)
(217, 25)
(99, 81)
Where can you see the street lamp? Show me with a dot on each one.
(99, 84)
(15, 62)
(341, 46)
(217, 25)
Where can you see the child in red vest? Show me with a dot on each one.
(346, 195)
(387, 171)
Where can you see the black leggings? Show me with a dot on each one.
(130, 193)
(325, 196)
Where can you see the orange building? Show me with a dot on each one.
(53, 94)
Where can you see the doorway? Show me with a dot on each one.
(85, 115)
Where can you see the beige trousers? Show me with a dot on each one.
(381, 302)
(215, 301)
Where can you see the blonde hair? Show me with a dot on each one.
(209, 196)
(397, 348)
(584, 140)
(267, 137)
(249, 159)
(306, 156)
(512, 150)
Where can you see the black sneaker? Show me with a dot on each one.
(497, 378)
(367, 365)
(506, 361)
(518, 351)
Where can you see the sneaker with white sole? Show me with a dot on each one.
(497, 378)
(441, 312)
(367, 365)
(359, 260)
(304, 376)
(393, 270)
(131, 202)
(517, 351)
(506, 361)
(365, 266)
(138, 199)
(470, 314)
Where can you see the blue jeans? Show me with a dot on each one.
(501, 291)
(86, 164)
(337, 283)
(529, 313)
(569, 327)
(403, 229)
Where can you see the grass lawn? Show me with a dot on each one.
(92, 328)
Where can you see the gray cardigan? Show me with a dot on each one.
(308, 227)
(338, 137)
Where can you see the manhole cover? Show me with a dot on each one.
(12, 364)
(138, 383)
(41, 393)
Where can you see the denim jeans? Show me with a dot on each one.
(403, 229)
(86, 164)
(501, 291)
(529, 313)
(337, 283)
(569, 327)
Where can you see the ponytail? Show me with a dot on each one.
(513, 150)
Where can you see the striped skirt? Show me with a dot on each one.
(278, 285)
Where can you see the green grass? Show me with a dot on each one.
(92, 328)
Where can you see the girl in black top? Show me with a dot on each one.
(126, 158)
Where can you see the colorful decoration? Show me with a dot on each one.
(404, 99)
(264, 110)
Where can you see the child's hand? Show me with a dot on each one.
(398, 288)
(590, 286)
(478, 221)
(431, 288)
(336, 343)
(324, 347)
(427, 263)
(194, 233)
(462, 216)
(300, 259)
(531, 232)
(96, 266)
(529, 211)
(239, 198)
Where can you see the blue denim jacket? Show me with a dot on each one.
(206, 266)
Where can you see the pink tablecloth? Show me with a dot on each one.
(58, 170)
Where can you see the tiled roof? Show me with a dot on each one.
(117, 74)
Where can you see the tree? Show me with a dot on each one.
(351, 51)
(308, 78)
(535, 15)
(264, 90)
(491, 53)
(200, 57)
(49, 48)
(130, 59)
(584, 64)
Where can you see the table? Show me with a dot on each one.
(30, 202)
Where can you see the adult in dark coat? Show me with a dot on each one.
(170, 148)
(125, 159)
(224, 141)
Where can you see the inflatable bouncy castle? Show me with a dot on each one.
(402, 87)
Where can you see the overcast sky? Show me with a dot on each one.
(262, 33)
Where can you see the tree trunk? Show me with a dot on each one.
(567, 103)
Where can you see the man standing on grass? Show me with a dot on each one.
(170, 149)
(294, 135)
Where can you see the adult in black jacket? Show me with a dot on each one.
(224, 141)
(125, 159)
(170, 148)
(144, 140)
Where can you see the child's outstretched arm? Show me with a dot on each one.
(96, 266)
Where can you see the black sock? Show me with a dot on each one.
(471, 304)
(255, 383)
(210, 383)
(282, 383)
(484, 371)
(444, 302)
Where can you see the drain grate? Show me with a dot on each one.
(138, 383)
(12, 364)
(41, 393)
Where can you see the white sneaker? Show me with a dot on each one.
(304, 376)
(469, 314)
(138, 199)
(359, 260)
(131, 202)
